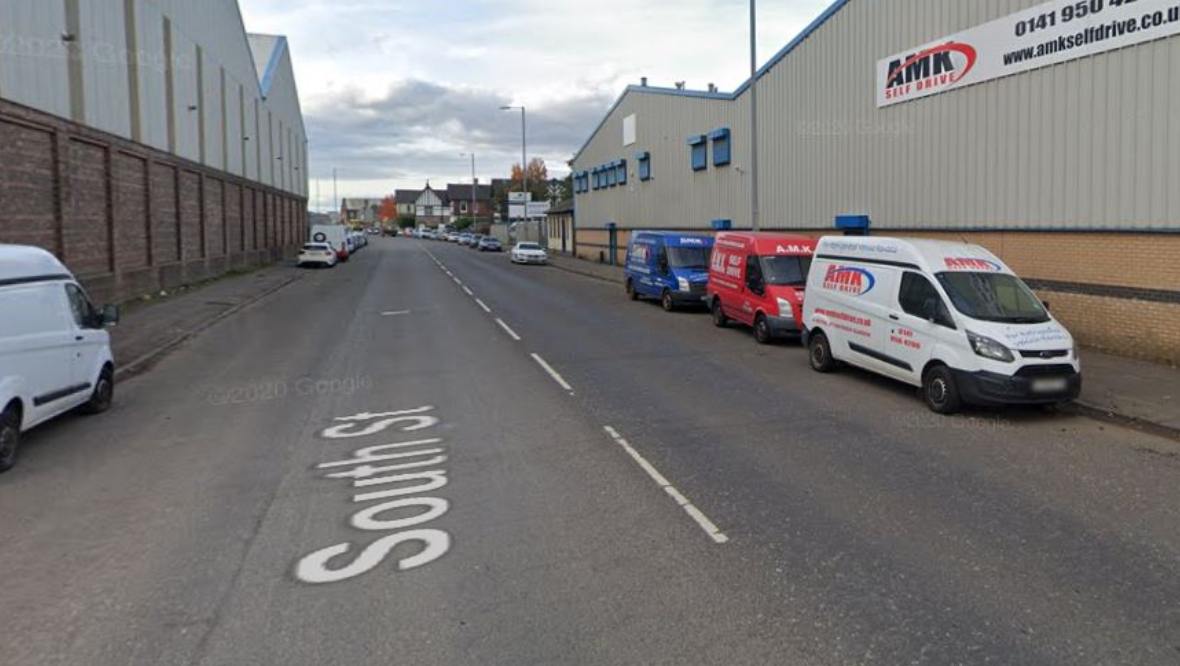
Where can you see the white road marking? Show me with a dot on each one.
(457, 281)
(508, 330)
(468, 291)
(701, 519)
(484, 306)
(395, 313)
(552, 373)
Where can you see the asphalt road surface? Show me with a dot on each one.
(375, 466)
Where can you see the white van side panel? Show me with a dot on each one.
(36, 347)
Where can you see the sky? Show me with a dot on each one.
(394, 92)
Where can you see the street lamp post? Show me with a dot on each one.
(524, 167)
(472, 210)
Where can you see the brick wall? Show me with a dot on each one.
(1118, 292)
(128, 219)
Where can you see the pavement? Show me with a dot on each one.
(430, 456)
(1127, 390)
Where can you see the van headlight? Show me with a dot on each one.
(989, 348)
(785, 309)
(683, 284)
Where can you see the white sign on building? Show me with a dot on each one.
(1044, 35)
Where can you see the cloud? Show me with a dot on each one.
(394, 90)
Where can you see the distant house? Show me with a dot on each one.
(461, 202)
(407, 202)
(432, 208)
(360, 211)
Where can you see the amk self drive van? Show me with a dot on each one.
(757, 279)
(948, 317)
(672, 267)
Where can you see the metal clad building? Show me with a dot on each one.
(148, 142)
(1068, 170)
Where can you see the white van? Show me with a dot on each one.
(336, 235)
(55, 354)
(949, 317)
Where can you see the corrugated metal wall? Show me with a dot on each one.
(208, 42)
(1088, 144)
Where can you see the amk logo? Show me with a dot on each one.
(936, 67)
(972, 264)
(849, 280)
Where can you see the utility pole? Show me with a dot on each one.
(754, 223)
(472, 209)
(335, 198)
(524, 167)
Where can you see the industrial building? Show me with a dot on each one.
(1046, 132)
(148, 143)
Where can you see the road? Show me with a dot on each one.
(541, 472)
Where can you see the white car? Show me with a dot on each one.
(55, 354)
(316, 254)
(529, 253)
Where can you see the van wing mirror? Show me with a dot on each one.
(110, 315)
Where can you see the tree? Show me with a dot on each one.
(463, 223)
(387, 211)
(538, 179)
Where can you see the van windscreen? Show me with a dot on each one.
(996, 297)
(785, 270)
(689, 257)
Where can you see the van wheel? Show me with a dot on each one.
(666, 301)
(819, 353)
(719, 318)
(631, 293)
(9, 438)
(104, 393)
(939, 390)
(762, 333)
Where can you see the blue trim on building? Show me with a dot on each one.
(272, 66)
(699, 156)
(643, 159)
(722, 146)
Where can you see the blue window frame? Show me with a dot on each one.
(699, 146)
(621, 172)
(644, 160)
(721, 146)
(596, 181)
(608, 174)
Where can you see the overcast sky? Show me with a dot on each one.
(394, 90)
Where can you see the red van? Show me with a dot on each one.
(757, 279)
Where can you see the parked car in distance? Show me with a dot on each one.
(758, 280)
(475, 239)
(316, 254)
(55, 354)
(528, 253)
(490, 244)
(335, 235)
(670, 266)
(465, 238)
(948, 317)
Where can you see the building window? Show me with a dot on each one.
(611, 177)
(621, 171)
(462, 206)
(644, 160)
(596, 178)
(700, 152)
(721, 145)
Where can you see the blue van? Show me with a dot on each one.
(670, 266)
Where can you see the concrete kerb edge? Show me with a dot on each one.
(143, 362)
(586, 273)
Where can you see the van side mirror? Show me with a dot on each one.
(664, 265)
(1046, 304)
(109, 316)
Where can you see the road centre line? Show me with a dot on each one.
(508, 329)
(484, 306)
(395, 313)
(696, 514)
(468, 291)
(552, 373)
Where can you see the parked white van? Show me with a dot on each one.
(54, 352)
(336, 235)
(949, 317)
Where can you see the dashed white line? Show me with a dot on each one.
(484, 306)
(552, 373)
(696, 514)
(508, 330)
(395, 313)
(468, 291)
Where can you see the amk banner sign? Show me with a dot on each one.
(1044, 35)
